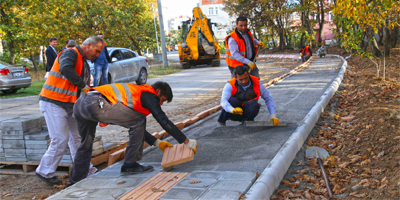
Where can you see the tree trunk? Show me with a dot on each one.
(34, 62)
(44, 58)
(321, 21)
(374, 45)
(394, 36)
(386, 40)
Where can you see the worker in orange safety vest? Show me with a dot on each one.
(126, 105)
(305, 53)
(69, 76)
(241, 47)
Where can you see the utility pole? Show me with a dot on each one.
(163, 47)
(155, 28)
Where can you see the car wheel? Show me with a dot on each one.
(142, 79)
(12, 91)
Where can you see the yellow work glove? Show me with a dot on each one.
(86, 89)
(274, 119)
(251, 65)
(301, 54)
(261, 44)
(162, 144)
(237, 111)
(193, 145)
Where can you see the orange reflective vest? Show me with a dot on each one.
(127, 94)
(57, 87)
(256, 87)
(232, 62)
(306, 50)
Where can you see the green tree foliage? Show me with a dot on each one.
(11, 16)
(363, 21)
(26, 25)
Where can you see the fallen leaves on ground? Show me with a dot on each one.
(359, 129)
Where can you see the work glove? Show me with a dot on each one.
(86, 89)
(261, 44)
(162, 144)
(274, 119)
(251, 65)
(237, 111)
(301, 54)
(192, 144)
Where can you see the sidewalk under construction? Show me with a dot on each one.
(229, 158)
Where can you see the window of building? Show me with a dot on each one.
(330, 16)
(216, 10)
(211, 11)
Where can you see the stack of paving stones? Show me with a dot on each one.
(26, 139)
(13, 131)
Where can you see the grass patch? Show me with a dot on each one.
(159, 70)
(35, 89)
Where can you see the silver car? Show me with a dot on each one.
(126, 66)
(13, 78)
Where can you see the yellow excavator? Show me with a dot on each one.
(199, 47)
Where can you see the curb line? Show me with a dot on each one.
(270, 178)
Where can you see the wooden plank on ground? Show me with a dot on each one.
(177, 154)
(102, 158)
(155, 187)
(114, 157)
(263, 123)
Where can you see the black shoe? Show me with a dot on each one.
(136, 169)
(50, 181)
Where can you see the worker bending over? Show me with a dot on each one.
(126, 105)
(240, 96)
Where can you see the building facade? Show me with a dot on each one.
(212, 9)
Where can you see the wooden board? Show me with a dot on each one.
(26, 167)
(263, 123)
(116, 156)
(177, 154)
(156, 186)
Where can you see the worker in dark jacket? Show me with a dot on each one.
(125, 105)
(305, 53)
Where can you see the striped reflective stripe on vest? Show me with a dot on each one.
(57, 74)
(127, 92)
(59, 90)
(241, 52)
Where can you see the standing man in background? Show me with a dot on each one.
(67, 79)
(66, 46)
(101, 65)
(241, 48)
(51, 55)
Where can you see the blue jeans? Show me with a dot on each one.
(250, 111)
(100, 69)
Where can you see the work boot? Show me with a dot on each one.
(135, 169)
(50, 181)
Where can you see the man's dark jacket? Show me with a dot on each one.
(51, 57)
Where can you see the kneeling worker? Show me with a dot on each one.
(126, 105)
(240, 96)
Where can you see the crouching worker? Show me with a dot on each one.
(125, 105)
(240, 96)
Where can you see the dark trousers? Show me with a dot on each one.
(305, 58)
(250, 111)
(88, 113)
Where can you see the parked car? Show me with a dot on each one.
(126, 66)
(13, 77)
